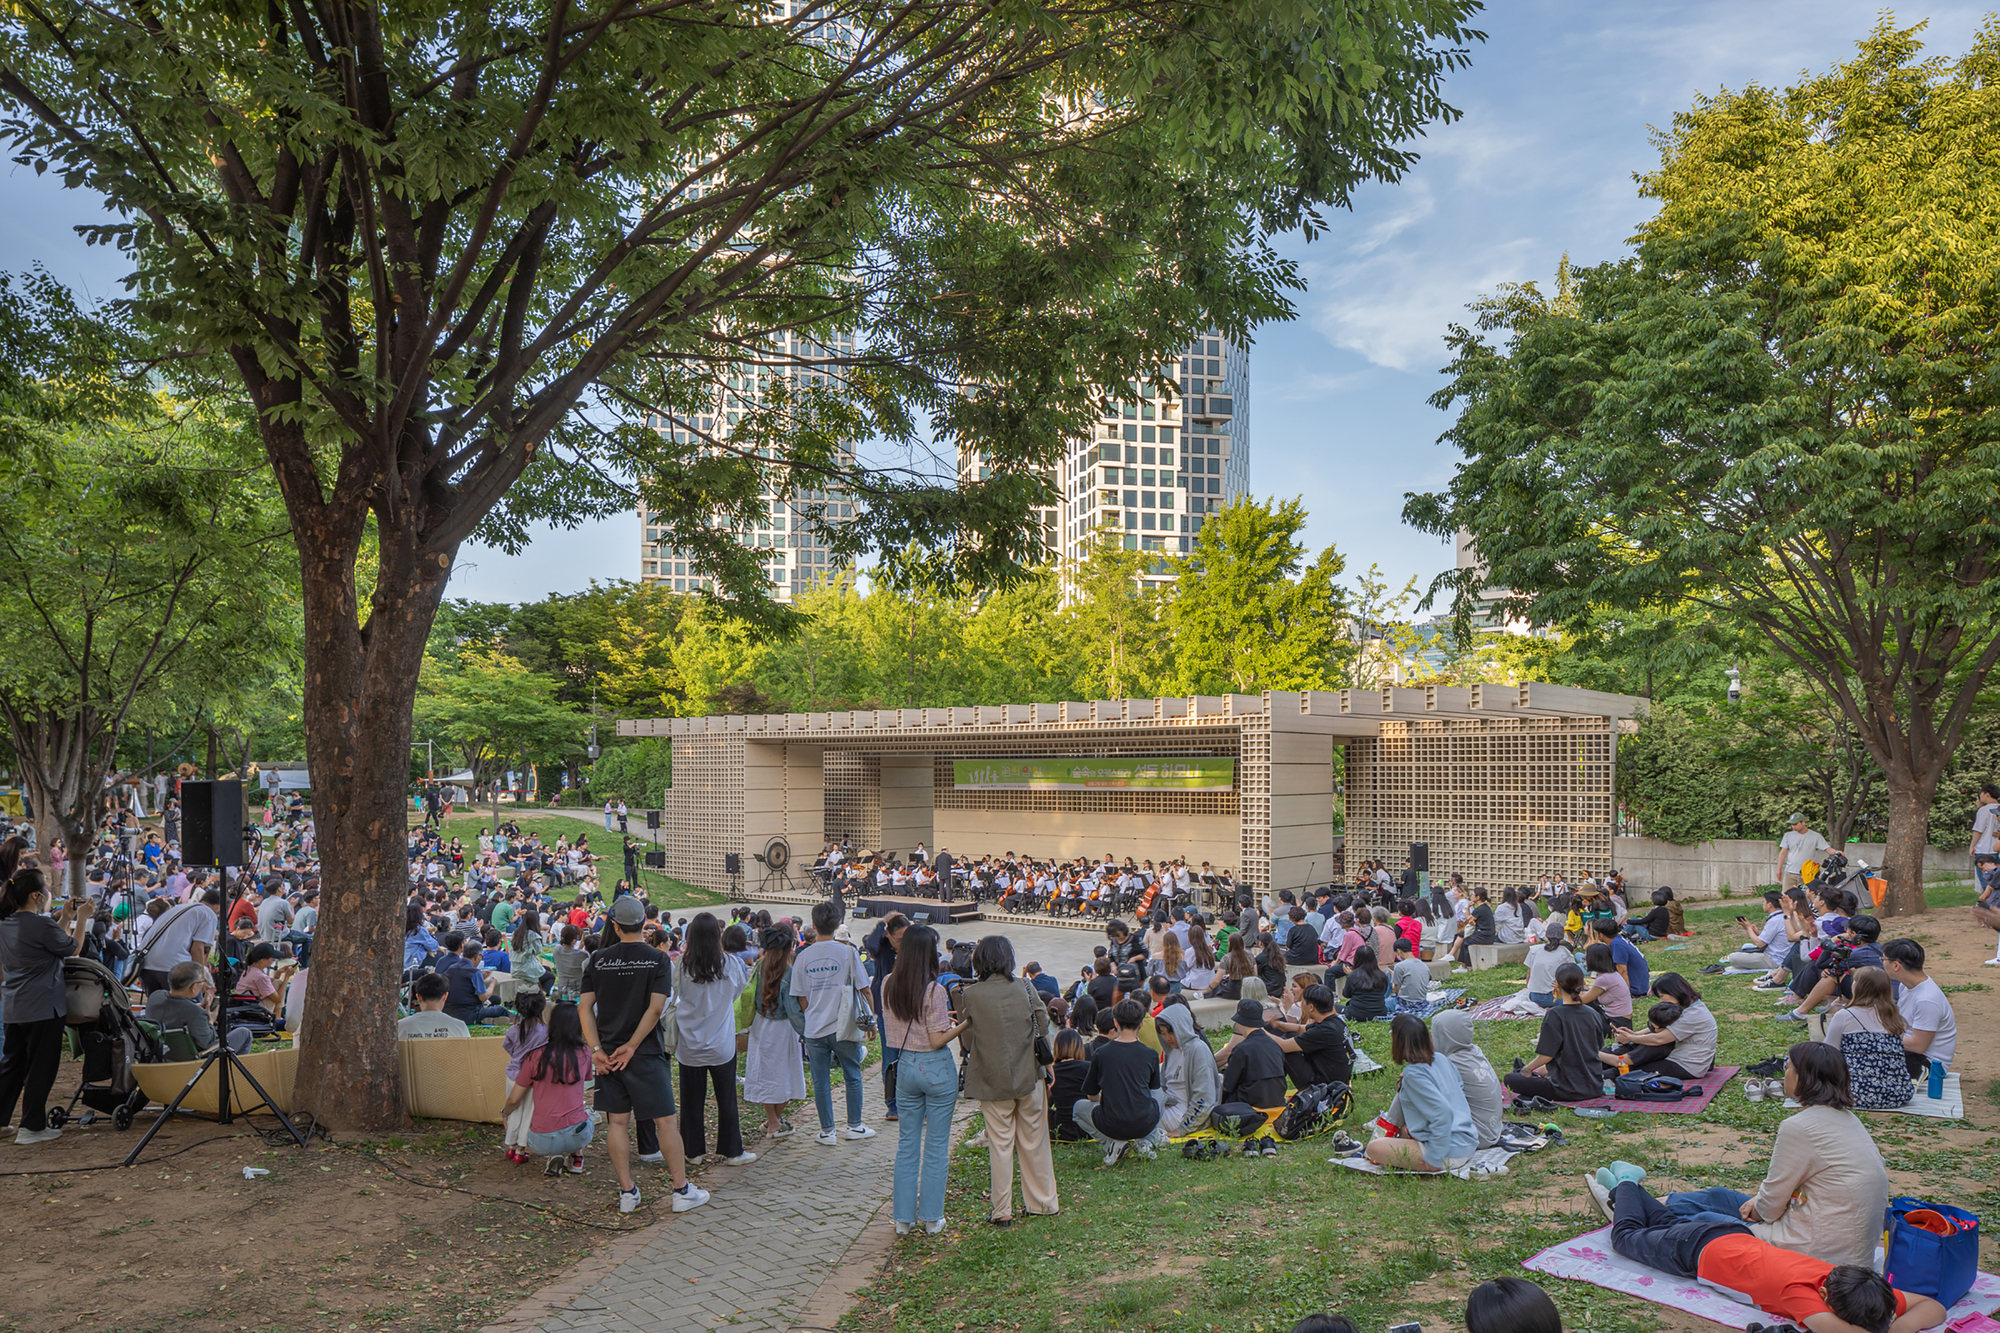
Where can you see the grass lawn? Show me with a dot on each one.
(669, 893)
(1253, 1246)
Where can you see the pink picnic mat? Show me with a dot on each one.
(1710, 1084)
(1590, 1258)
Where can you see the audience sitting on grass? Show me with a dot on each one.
(1685, 1048)
(1452, 1038)
(1190, 1081)
(430, 1019)
(1118, 1107)
(1868, 1033)
(1571, 1040)
(1544, 960)
(1822, 978)
(1826, 1190)
(1930, 1033)
(1727, 1255)
(1316, 1047)
(1438, 1134)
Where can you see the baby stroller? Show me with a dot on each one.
(111, 1040)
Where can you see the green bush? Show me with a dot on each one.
(638, 773)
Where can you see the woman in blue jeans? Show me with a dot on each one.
(916, 1019)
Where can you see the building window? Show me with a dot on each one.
(1146, 522)
(1184, 546)
(1146, 477)
(1131, 476)
(1145, 411)
(1166, 458)
(1131, 540)
(1131, 432)
(1145, 455)
(1131, 519)
(1166, 499)
(1131, 501)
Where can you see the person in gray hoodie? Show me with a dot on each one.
(1190, 1082)
(1451, 1035)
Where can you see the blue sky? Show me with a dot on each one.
(1558, 107)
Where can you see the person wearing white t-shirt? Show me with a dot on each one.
(1986, 875)
(1933, 1028)
(1796, 848)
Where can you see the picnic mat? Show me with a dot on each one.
(1710, 1084)
(1498, 1009)
(1485, 1162)
(1951, 1106)
(1436, 1002)
(1589, 1258)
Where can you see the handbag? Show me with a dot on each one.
(1931, 1249)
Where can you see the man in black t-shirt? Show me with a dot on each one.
(1255, 1074)
(625, 989)
(1118, 1106)
(1317, 1052)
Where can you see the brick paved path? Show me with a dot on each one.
(800, 1220)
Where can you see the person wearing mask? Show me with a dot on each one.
(1826, 1190)
(1572, 1036)
(916, 1019)
(32, 948)
(1431, 1099)
(1189, 1079)
(1118, 1107)
(1002, 1017)
(707, 982)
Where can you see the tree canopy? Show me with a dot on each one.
(1780, 407)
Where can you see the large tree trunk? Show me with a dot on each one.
(1909, 830)
(360, 688)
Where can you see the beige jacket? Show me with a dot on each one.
(1004, 1018)
(1827, 1188)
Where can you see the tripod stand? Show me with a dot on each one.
(221, 1059)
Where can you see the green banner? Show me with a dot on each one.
(1094, 774)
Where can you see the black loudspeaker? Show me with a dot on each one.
(652, 819)
(1420, 856)
(732, 863)
(656, 860)
(212, 823)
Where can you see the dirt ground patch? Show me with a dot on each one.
(335, 1237)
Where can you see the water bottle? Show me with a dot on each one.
(1610, 1088)
(1937, 1078)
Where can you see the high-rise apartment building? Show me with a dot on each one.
(790, 533)
(1158, 463)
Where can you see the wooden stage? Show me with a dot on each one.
(919, 909)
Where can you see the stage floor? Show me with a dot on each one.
(919, 909)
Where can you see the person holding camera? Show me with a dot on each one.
(32, 948)
(1829, 973)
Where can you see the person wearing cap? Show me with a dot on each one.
(625, 989)
(1797, 847)
(1254, 1072)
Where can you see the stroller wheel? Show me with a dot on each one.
(122, 1118)
(58, 1116)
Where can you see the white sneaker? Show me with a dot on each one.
(628, 1200)
(37, 1135)
(860, 1132)
(740, 1159)
(1114, 1152)
(652, 1157)
(694, 1196)
(934, 1227)
(1754, 1090)
(826, 1138)
(1600, 1196)
(697, 1159)
(902, 1228)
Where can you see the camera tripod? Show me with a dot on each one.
(221, 1059)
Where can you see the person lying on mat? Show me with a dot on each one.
(1572, 1035)
(1690, 1039)
(1823, 1297)
(1432, 1100)
(1826, 1189)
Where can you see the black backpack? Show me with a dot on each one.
(1652, 1088)
(1313, 1108)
